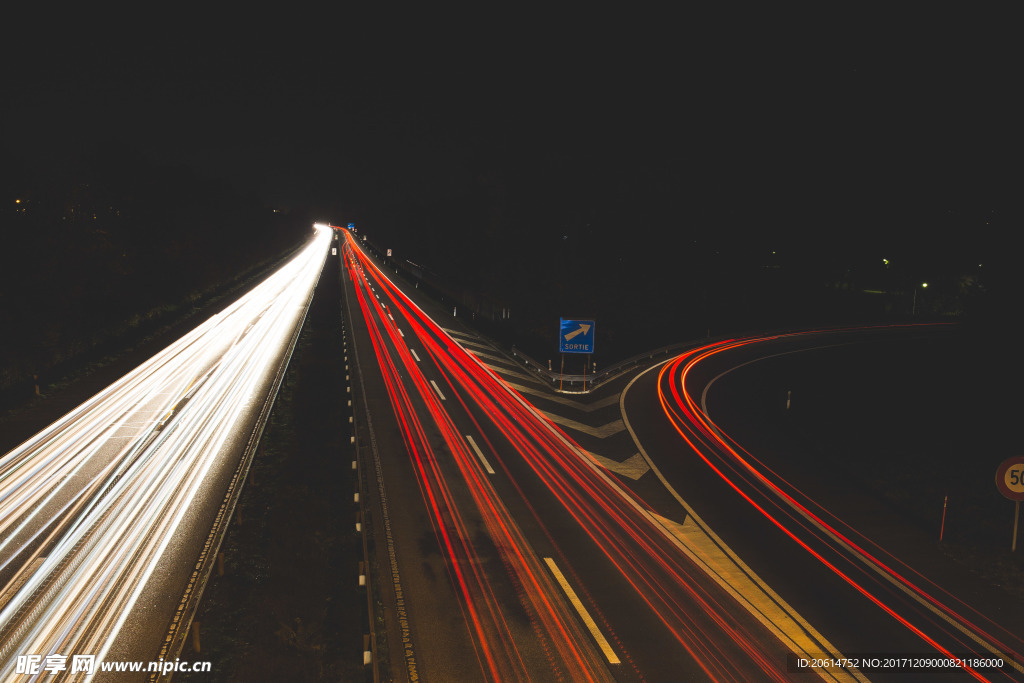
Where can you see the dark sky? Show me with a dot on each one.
(789, 123)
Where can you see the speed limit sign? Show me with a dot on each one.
(1010, 482)
(1010, 478)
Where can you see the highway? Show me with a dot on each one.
(106, 515)
(505, 549)
(558, 569)
(780, 518)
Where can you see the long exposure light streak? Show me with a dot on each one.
(90, 506)
(496, 649)
(723, 641)
(803, 520)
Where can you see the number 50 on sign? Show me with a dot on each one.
(1010, 482)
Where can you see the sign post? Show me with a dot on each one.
(1010, 482)
(575, 336)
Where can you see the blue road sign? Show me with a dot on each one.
(576, 336)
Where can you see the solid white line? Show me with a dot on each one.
(438, 390)
(584, 614)
(413, 352)
(479, 454)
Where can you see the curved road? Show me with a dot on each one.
(513, 553)
(776, 518)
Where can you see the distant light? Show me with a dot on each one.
(924, 284)
(885, 261)
(17, 201)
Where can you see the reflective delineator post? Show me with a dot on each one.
(942, 529)
(1016, 518)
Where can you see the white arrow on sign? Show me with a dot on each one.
(575, 333)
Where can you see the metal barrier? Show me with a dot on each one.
(584, 384)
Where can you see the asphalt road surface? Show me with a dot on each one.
(710, 422)
(104, 513)
(513, 552)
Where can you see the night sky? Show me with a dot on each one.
(455, 135)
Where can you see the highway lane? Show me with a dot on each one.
(537, 496)
(94, 557)
(861, 597)
(468, 620)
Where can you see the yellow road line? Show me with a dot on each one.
(584, 614)
(760, 601)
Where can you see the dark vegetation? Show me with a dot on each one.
(696, 273)
(100, 251)
(662, 239)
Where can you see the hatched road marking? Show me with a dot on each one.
(548, 396)
(613, 427)
(633, 467)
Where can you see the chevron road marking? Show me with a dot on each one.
(613, 427)
(633, 467)
(504, 371)
(585, 407)
(459, 333)
(498, 359)
(475, 342)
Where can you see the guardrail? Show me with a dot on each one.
(584, 384)
(184, 621)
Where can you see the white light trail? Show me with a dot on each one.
(102, 492)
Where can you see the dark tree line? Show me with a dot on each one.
(101, 246)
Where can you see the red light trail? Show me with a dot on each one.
(804, 521)
(723, 640)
